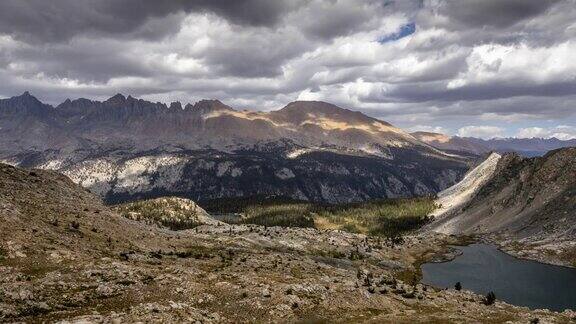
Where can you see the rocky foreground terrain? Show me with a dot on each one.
(64, 256)
(525, 205)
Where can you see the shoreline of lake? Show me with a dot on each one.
(482, 265)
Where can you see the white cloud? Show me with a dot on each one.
(481, 131)
(530, 132)
(562, 132)
(517, 62)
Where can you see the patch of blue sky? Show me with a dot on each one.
(405, 30)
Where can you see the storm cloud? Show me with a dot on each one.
(493, 13)
(427, 64)
(58, 20)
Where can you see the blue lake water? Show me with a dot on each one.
(482, 268)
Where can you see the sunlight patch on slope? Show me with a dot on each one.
(374, 128)
(458, 195)
(248, 115)
(438, 138)
(9, 162)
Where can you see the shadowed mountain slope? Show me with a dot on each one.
(126, 148)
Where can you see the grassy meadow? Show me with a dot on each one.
(388, 218)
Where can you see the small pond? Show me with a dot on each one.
(482, 268)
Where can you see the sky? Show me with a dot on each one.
(484, 68)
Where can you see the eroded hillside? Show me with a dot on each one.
(528, 205)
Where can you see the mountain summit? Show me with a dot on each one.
(208, 123)
(124, 148)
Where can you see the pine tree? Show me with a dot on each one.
(458, 286)
(490, 298)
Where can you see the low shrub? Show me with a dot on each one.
(490, 298)
(458, 286)
(3, 254)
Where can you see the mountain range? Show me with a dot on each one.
(126, 148)
(528, 147)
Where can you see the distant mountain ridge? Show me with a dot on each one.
(125, 148)
(208, 123)
(528, 147)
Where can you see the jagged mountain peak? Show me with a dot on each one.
(211, 123)
(25, 104)
(176, 105)
(208, 105)
(260, 148)
(117, 98)
(76, 102)
(26, 97)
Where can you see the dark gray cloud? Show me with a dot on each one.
(329, 20)
(59, 20)
(493, 13)
(90, 62)
(437, 92)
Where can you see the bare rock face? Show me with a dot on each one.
(453, 200)
(125, 148)
(65, 257)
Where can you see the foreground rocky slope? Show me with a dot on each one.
(65, 256)
(528, 205)
(126, 149)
